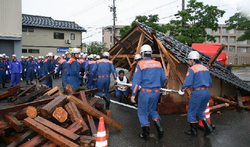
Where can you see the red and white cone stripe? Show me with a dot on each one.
(101, 140)
(207, 113)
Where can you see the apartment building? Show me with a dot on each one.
(43, 34)
(10, 27)
(238, 51)
(107, 35)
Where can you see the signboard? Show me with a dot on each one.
(62, 50)
(70, 50)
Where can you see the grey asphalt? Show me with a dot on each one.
(232, 129)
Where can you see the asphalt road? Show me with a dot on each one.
(232, 129)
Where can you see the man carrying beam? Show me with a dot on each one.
(199, 78)
(151, 77)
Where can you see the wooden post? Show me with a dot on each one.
(211, 61)
(21, 139)
(219, 106)
(48, 133)
(14, 123)
(35, 141)
(60, 115)
(47, 110)
(94, 112)
(29, 111)
(224, 100)
(69, 89)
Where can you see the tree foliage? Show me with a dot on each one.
(240, 21)
(150, 20)
(191, 27)
(95, 47)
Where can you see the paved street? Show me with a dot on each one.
(232, 129)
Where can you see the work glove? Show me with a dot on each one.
(38, 66)
(181, 92)
(6, 72)
(24, 69)
(20, 72)
(35, 70)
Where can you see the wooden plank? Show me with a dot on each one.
(93, 100)
(117, 54)
(163, 63)
(29, 111)
(21, 139)
(217, 107)
(60, 114)
(57, 128)
(3, 126)
(35, 141)
(92, 125)
(30, 97)
(26, 90)
(48, 133)
(47, 76)
(224, 100)
(92, 111)
(69, 89)
(129, 61)
(211, 61)
(53, 91)
(47, 110)
(85, 140)
(21, 106)
(8, 93)
(14, 122)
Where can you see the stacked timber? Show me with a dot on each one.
(41, 116)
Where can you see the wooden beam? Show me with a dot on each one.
(35, 141)
(224, 100)
(85, 107)
(121, 49)
(57, 128)
(129, 61)
(171, 62)
(60, 114)
(29, 111)
(21, 139)
(163, 62)
(53, 90)
(8, 93)
(48, 133)
(211, 61)
(140, 43)
(217, 107)
(239, 99)
(14, 122)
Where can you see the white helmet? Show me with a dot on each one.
(146, 48)
(22, 56)
(105, 54)
(98, 57)
(94, 55)
(90, 56)
(81, 54)
(55, 57)
(4, 54)
(14, 55)
(26, 57)
(194, 55)
(75, 51)
(35, 57)
(66, 53)
(7, 56)
(84, 55)
(1, 55)
(137, 56)
(50, 54)
(63, 55)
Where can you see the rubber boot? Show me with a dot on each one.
(145, 134)
(27, 82)
(159, 128)
(4, 85)
(207, 126)
(107, 101)
(193, 130)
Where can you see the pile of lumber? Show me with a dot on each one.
(41, 116)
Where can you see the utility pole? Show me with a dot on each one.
(113, 9)
(183, 5)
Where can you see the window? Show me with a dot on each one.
(24, 29)
(231, 48)
(30, 29)
(231, 31)
(232, 39)
(224, 30)
(225, 48)
(217, 31)
(72, 36)
(217, 39)
(242, 42)
(58, 35)
(224, 39)
(242, 49)
(36, 51)
(24, 50)
(209, 31)
(241, 32)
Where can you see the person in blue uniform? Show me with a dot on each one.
(15, 71)
(36, 67)
(120, 89)
(8, 75)
(3, 70)
(67, 56)
(199, 78)
(90, 74)
(56, 64)
(30, 71)
(103, 68)
(73, 69)
(23, 62)
(48, 66)
(150, 76)
(40, 67)
(62, 66)
(229, 67)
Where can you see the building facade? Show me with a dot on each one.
(43, 34)
(107, 35)
(238, 52)
(10, 27)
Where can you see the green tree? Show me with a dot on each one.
(191, 27)
(240, 21)
(95, 47)
(150, 20)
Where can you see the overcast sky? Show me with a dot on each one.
(95, 14)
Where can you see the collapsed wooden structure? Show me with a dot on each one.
(41, 116)
(173, 55)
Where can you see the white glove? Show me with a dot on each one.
(24, 69)
(48, 72)
(20, 72)
(181, 92)
(6, 72)
(34, 70)
(38, 66)
(8, 66)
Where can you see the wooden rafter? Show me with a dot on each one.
(129, 61)
(117, 54)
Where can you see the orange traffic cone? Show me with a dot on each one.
(101, 140)
(207, 113)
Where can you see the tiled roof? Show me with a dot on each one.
(48, 22)
(180, 51)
